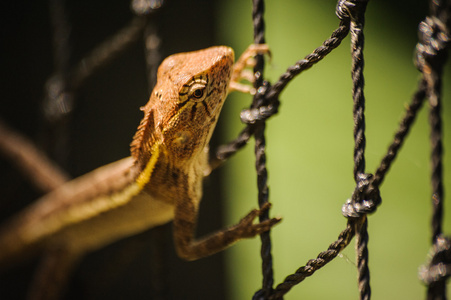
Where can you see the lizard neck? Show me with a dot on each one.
(171, 180)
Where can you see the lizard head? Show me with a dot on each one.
(185, 103)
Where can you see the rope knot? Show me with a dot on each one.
(349, 9)
(438, 267)
(145, 7)
(365, 198)
(434, 39)
(58, 101)
(269, 106)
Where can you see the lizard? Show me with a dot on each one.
(160, 182)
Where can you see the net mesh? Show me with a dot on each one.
(431, 55)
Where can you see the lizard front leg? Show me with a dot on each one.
(241, 68)
(190, 248)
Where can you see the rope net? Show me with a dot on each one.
(431, 56)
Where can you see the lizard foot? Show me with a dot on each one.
(248, 229)
(241, 68)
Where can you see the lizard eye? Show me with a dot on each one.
(195, 89)
(197, 92)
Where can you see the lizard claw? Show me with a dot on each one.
(249, 229)
(241, 68)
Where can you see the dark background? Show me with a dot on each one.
(97, 132)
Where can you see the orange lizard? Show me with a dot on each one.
(160, 182)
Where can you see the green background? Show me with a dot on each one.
(310, 146)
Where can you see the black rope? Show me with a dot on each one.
(262, 113)
(58, 100)
(438, 267)
(152, 50)
(357, 43)
(431, 55)
(361, 197)
(152, 41)
(314, 265)
(107, 51)
(362, 258)
(366, 196)
(260, 155)
(403, 130)
(271, 93)
(317, 55)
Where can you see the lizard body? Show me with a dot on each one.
(160, 182)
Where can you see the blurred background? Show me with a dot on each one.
(309, 146)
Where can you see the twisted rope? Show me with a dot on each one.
(364, 199)
(314, 265)
(271, 93)
(438, 267)
(107, 51)
(431, 55)
(260, 154)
